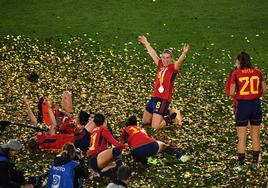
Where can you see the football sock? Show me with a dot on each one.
(256, 156)
(172, 151)
(168, 119)
(108, 173)
(241, 158)
(117, 157)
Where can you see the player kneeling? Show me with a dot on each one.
(142, 146)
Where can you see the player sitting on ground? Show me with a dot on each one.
(100, 157)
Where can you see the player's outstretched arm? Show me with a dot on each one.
(182, 57)
(142, 39)
(263, 87)
(29, 111)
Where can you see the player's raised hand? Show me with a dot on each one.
(142, 39)
(186, 48)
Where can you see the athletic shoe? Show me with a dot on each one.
(152, 161)
(239, 168)
(185, 158)
(255, 165)
(95, 174)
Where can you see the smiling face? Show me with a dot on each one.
(166, 59)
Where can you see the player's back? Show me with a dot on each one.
(247, 82)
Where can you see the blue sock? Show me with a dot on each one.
(256, 156)
(172, 151)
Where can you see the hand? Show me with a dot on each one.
(142, 39)
(186, 48)
(26, 102)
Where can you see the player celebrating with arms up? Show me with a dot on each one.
(247, 86)
(161, 97)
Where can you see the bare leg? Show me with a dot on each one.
(147, 117)
(104, 158)
(242, 138)
(53, 122)
(66, 102)
(158, 121)
(255, 136)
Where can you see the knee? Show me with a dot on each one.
(156, 126)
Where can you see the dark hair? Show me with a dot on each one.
(68, 150)
(244, 60)
(99, 119)
(32, 144)
(83, 117)
(168, 51)
(131, 121)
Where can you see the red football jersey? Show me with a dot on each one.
(100, 136)
(56, 141)
(227, 88)
(248, 83)
(69, 126)
(135, 136)
(166, 76)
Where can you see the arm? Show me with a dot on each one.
(122, 137)
(151, 51)
(53, 122)
(232, 90)
(182, 57)
(29, 112)
(263, 87)
(108, 136)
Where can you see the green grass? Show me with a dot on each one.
(108, 74)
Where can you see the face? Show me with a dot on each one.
(166, 59)
(237, 64)
(12, 153)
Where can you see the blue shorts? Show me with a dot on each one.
(248, 111)
(141, 153)
(82, 140)
(93, 163)
(157, 105)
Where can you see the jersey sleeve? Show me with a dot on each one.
(228, 84)
(108, 136)
(233, 77)
(123, 137)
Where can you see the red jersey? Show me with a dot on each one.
(135, 136)
(56, 141)
(166, 77)
(227, 88)
(100, 136)
(69, 126)
(248, 83)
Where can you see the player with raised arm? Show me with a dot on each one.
(156, 111)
